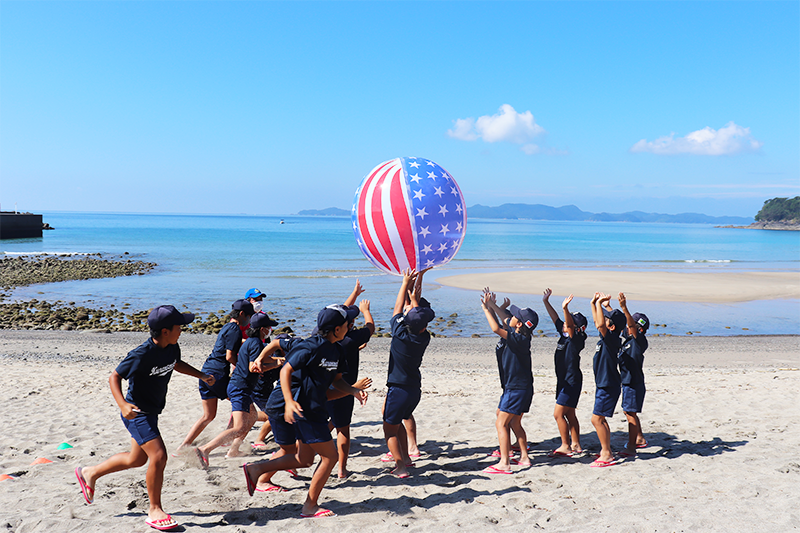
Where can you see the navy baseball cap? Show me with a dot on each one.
(331, 317)
(641, 320)
(261, 320)
(579, 320)
(253, 293)
(243, 305)
(617, 317)
(527, 316)
(352, 312)
(419, 317)
(166, 316)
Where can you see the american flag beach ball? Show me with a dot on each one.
(409, 213)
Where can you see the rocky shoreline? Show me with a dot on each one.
(779, 226)
(28, 270)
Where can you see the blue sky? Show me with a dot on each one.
(274, 107)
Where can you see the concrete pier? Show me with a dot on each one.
(20, 225)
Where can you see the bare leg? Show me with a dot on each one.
(343, 445)
(209, 413)
(264, 480)
(559, 413)
(503, 426)
(397, 441)
(635, 436)
(240, 427)
(266, 428)
(522, 440)
(250, 419)
(410, 425)
(328, 457)
(574, 429)
(604, 435)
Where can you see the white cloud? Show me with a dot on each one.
(506, 126)
(728, 140)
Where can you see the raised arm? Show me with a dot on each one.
(569, 322)
(363, 306)
(357, 291)
(409, 275)
(599, 321)
(487, 302)
(550, 310)
(633, 329)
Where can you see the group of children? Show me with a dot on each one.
(317, 384)
(617, 367)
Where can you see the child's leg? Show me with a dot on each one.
(240, 427)
(157, 455)
(328, 456)
(343, 445)
(265, 428)
(604, 435)
(209, 413)
(121, 461)
(397, 441)
(264, 478)
(574, 429)
(503, 425)
(522, 440)
(635, 436)
(410, 425)
(559, 413)
(249, 420)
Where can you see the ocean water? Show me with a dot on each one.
(205, 262)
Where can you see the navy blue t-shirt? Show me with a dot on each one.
(568, 358)
(241, 377)
(631, 360)
(229, 338)
(405, 354)
(514, 362)
(604, 363)
(148, 369)
(350, 352)
(315, 363)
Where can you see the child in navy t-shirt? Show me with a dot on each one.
(147, 369)
(516, 378)
(606, 376)
(631, 360)
(569, 378)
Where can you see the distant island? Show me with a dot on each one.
(567, 212)
(777, 214)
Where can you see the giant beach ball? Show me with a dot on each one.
(409, 213)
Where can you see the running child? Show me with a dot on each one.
(631, 360)
(410, 338)
(148, 370)
(218, 364)
(340, 408)
(514, 326)
(606, 376)
(569, 378)
(312, 366)
(240, 389)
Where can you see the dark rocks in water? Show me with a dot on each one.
(21, 271)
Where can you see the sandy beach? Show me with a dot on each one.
(703, 287)
(721, 418)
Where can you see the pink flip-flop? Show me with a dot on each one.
(251, 487)
(318, 514)
(164, 524)
(556, 453)
(271, 488)
(495, 470)
(602, 464)
(88, 492)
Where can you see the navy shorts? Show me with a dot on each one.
(400, 404)
(218, 391)
(240, 400)
(605, 400)
(143, 428)
(282, 431)
(633, 398)
(568, 396)
(341, 411)
(516, 401)
(311, 432)
(260, 402)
